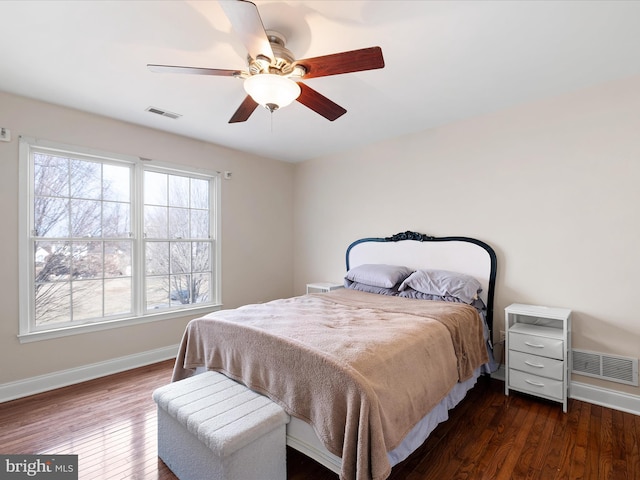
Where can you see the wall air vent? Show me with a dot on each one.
(607, 367)
(163, 113)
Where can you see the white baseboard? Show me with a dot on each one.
(604, 397)
(63, 378)
(625, 402)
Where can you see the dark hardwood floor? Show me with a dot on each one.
(110, 423)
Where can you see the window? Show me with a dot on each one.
(177, 245)
(109, 240)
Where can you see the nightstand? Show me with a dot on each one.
(322, 287)
(538, 346)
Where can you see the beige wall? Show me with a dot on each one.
(256, 218)
(553, 186)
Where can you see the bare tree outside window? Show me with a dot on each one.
(178, 250)
(81, 214)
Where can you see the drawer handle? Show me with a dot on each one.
(535, 384)
(531, 364)
(534, 345)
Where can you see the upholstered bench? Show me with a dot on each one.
(211, 427)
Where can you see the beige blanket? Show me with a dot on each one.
(362, 369)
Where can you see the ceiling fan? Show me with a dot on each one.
(274, 76)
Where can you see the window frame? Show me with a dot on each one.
(28, 331)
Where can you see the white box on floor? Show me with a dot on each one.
(211, 427)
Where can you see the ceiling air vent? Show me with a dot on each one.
(163, 113)
(607, 367)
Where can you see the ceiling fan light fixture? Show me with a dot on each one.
(272, 91)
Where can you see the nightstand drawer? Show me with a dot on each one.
(542, 366)
(537, 345)
(535, 384)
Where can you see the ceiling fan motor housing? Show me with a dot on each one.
(282, 61)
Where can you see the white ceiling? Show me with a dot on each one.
(445, 61)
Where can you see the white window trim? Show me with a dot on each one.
(25, 279)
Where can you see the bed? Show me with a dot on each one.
(366, 372)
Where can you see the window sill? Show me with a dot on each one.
(123, 322)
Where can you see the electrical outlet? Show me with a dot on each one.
(5, 134)
(502, 336)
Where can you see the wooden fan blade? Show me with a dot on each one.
(246, 22)
(345, 62)
(319, 103)
(244, 111)
(193, 70)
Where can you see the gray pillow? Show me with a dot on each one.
(378, 275)
(444, 283)
(363, 287)
(409, 292)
